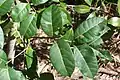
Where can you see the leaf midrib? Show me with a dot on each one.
(29, 24)
(21, 9)
(2, 3)
(85, 61)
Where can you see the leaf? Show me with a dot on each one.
(20, 12)
(106, 55)
(89, 2)
(3, 59)
(66, 17)
(62, 58)
(98, 40)
(86, 61)
(91, 15)
(1, 38)
(7, 27)
(28, 26)
(37, 2)
(5, 6)
(46, 76)
(32, 71)
(55, 0)
(102, 54)
(115, 21)
(118, 6)
(29, 57)
(7, 73)
(69, 35)
(82, 9)
(52, 20)
(10, 74)
(91, 30)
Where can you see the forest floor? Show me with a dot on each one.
(107, 70)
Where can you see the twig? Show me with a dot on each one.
(46, 37)
(105, 71)
(27, 1)
(17, 55)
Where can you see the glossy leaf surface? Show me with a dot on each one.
(20, 12)
(62, 58)
(91, 30)
(29, 57)
(86, 60)
(37, 2)
(82, 9)
(28, 26)
(5, 6)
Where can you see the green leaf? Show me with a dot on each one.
(28, 26)
(86, 61)
(29, 57)
(103, 54)
(46, 76)
(91, 30)
(7, 27)
(66, 18)
(69, 35)
(20, 12)
(1, 38)
(52, 20)
(5, 6)
(89, 2)
(55, 0)
(106, 55)
(118, 6)
(3, 59)
(82, 9)
(91, 15)
(10, 74)
(7, 73)
(115, 21)
(37, 2)
(62, 58)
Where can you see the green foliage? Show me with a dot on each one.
(62, 57)
(86, 60)
(76, 32)
(46, 76)
(115, 21)
(69, 35)
(82, 9)
(7, 73)
(1, 38)
(5, 6)
(28, 26)
(20, 12)
(89, 2)
(37, 2)
(48, 21)
(29, 57)
(118, 6)
(90, 31)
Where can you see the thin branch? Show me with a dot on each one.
(46, 37)
(105, 71)
(17, 55)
